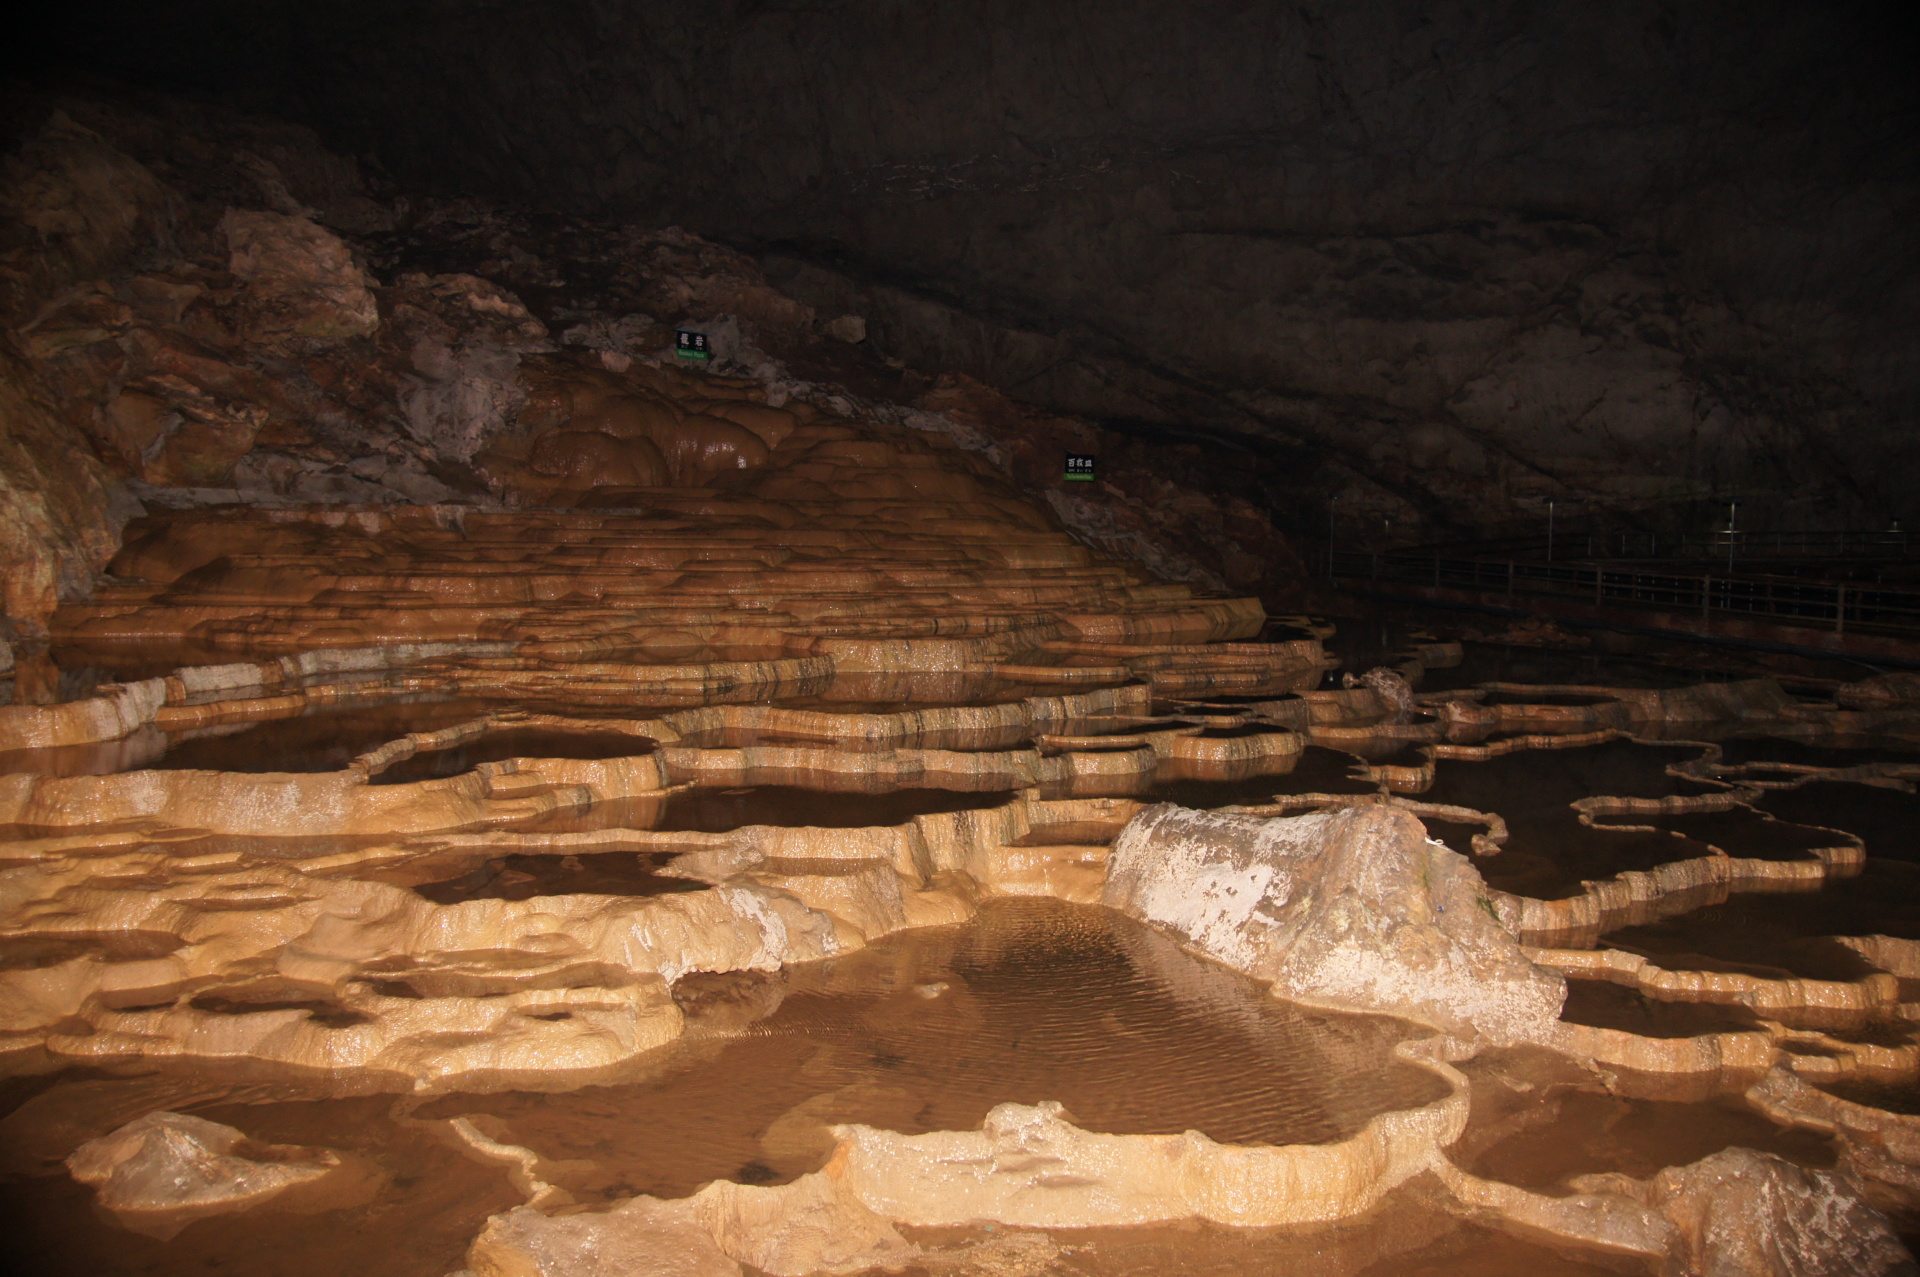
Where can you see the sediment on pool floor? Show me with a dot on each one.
(769, 842)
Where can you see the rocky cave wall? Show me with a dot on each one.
(1449, 261)
(201, 307)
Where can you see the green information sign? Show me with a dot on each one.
(689, 343)
(1079, 468)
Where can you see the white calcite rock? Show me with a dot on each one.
(1355, 908)
(643, 1237)
(813, 1225)
(1030, 1167)
(161, 1172)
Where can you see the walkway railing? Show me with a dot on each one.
(1838, 606)
(1887, 544)
(1875, 546)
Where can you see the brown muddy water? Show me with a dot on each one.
(925, 1030)
(1030, 1001)
(1550, 852)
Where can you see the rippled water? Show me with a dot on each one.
(1030, 1001)
(924, 1030)
(929, 1029)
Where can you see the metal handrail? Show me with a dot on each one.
(1886, 543)
(1883, 544)
(1836, 605)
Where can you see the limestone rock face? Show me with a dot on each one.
(1472, 257)
(60, 511)
(301, 279)
(159, 1173)
(1163, 503)
(72, 207)
(1748, 1214)
(215, 310)
(1352, 907)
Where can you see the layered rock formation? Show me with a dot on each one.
(256, 329)
(288, 920)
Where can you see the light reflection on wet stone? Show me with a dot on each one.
(919, 1003)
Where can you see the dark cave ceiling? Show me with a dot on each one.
(1636, 257)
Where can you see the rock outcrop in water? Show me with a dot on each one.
(161, 1172)
(1354, 907)
(1741, 1212)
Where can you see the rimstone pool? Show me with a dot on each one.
(1112, 935)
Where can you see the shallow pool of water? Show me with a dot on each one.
(1549, 852)
(524, 742)
(928, 1030)
(716, 811)
(924, 1030)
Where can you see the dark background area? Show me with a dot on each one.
(1448, 260)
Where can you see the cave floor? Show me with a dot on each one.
(567, 869)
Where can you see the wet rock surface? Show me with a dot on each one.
(1741, 1212)
(536, 801)
(163, 1171)
(404, 944)
(1354, 906)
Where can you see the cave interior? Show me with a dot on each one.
(960, 637)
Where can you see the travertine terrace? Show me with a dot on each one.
(519, 803)
(862, 615)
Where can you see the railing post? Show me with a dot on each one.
(1509, 578)
(1599, 575)
(1706, 595)
(1840, 609)
(1436, 571)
